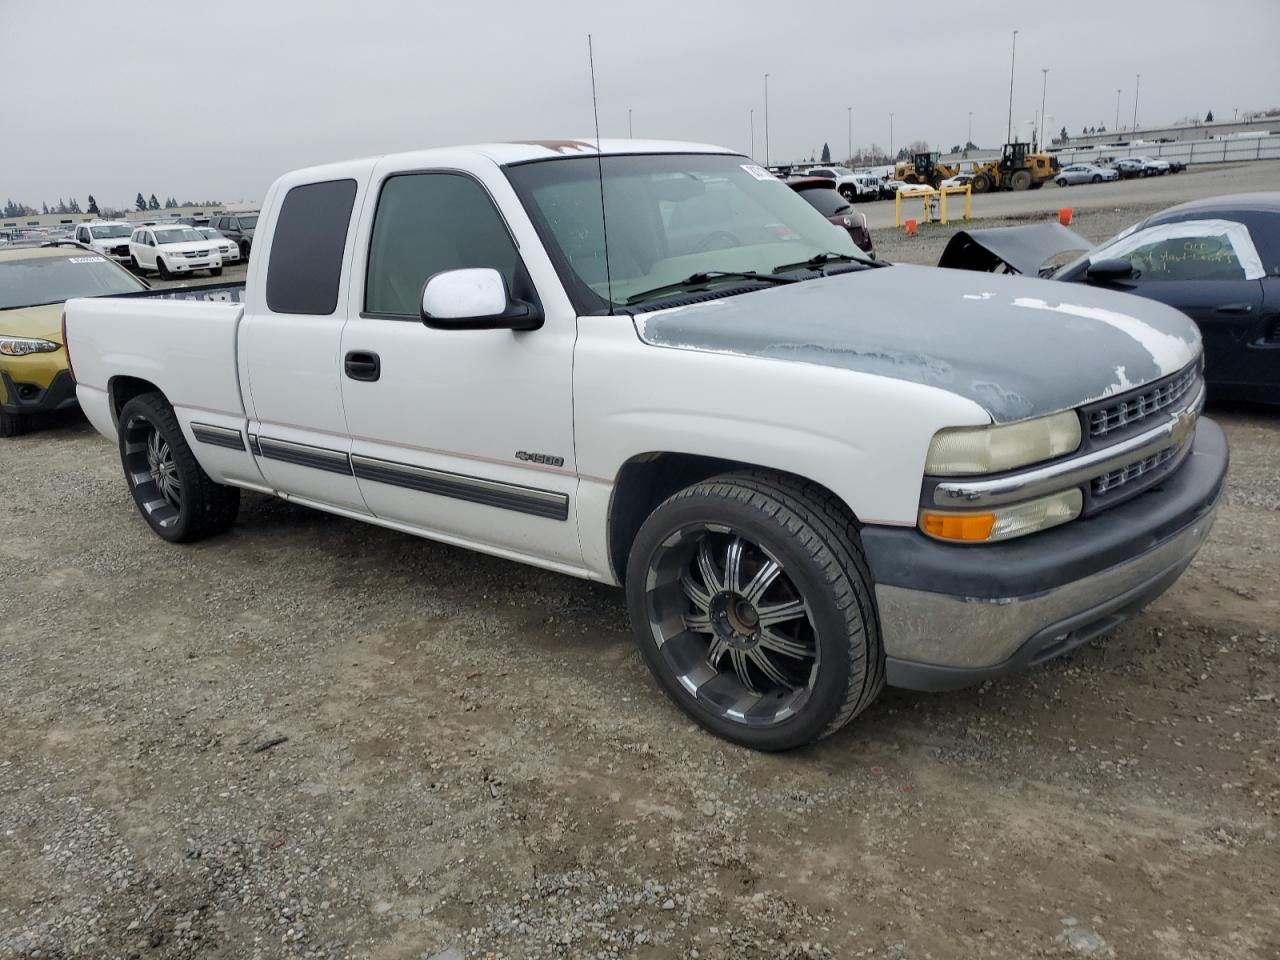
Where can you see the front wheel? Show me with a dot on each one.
(753, 607)
(179, 501)
(215, 271)
(14, 424)
(1096, 178)
(164, 270)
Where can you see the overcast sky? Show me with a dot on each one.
(214, 100)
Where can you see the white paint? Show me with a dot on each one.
(985, 295)
(1237, 235)
(1169, 352)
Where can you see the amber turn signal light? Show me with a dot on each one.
(958, 526)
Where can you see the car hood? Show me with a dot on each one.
(108, 243)
(43, 322)
(1017, 346)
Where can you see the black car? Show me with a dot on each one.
(1217, 260)
(823, 196)
(238, 227)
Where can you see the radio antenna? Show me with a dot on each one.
(604, 221)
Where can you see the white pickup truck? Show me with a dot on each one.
(813, 473)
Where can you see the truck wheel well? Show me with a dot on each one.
(123, 389)
(648, 479)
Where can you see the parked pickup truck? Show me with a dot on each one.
(814, 474)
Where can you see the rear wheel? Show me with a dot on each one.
(1062, 181)
(179, 501)
(753, 607)
(1020, 180)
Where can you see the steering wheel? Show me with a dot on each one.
(716, 241)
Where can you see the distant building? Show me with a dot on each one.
(54, 220)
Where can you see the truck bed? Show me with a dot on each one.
(182, 340)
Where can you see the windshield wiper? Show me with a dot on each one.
(696, 280)
(822, 259)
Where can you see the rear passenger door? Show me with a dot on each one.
(463, 434)
(289, 342)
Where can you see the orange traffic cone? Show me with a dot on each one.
(911, 228)
(1064, 216)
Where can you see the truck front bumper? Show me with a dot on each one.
(952, 615)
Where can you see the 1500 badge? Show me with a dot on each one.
(544, 458)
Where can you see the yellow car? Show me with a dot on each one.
(34, 283)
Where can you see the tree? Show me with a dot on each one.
(44, 208)
(1063, 138)
(1208, 117)
(956, 148)
(93, 205)
(970, 145)
(141, 202)
(73, 206)
(826, 153)
(153, 203)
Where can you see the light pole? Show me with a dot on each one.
(1013, 56)
(1117, 127)
(969, 140)
(1043, 87)
(629, 132)
(1136, 84)
(766, 119)
(849, 155)
(891, 136)
(752, 120)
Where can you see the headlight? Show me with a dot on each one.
(1002, 523)
(957, 451)
(21, 346)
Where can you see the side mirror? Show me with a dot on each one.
(1109, 271)
(475, 299)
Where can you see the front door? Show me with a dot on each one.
(466, 435)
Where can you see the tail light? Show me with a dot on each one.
(67, 347)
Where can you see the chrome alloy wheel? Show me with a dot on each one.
(731, 625)
(152, 471)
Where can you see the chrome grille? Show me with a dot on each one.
(1136, 407)
(193, 254)
(1132, 471)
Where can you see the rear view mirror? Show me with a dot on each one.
(1109, 271)
(475, 299)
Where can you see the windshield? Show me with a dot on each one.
(669, 217)
(210, 233)
(104, 233)
(177, 235)
(28, 283)
(843, 171)
(247, 220)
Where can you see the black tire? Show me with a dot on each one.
(163, 270)
(849, 193)
(14, 424)
(814, 541)
(133, 264)
(981, 183)
(1096, 178)
(215, 271)
(1062, 181)
(244, 250)
(1020, 180)
(202, 508)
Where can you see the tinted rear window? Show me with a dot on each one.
(306, 248)
(826, 201)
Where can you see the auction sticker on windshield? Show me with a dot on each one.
(86, 259)
(759, 172)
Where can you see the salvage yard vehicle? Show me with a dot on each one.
(108, 237)
(238, 228)
(173, 250)
(821, 194)
(654, 365)
(851, 186)
(1019, 168)
(1084, 173)
(228, 250)
(34, 281)
(1217, 260)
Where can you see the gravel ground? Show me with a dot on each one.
(318, 738)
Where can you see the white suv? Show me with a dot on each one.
(173, 250)
(109, 237)
(227, 248)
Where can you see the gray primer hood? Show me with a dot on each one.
(1018, 347)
